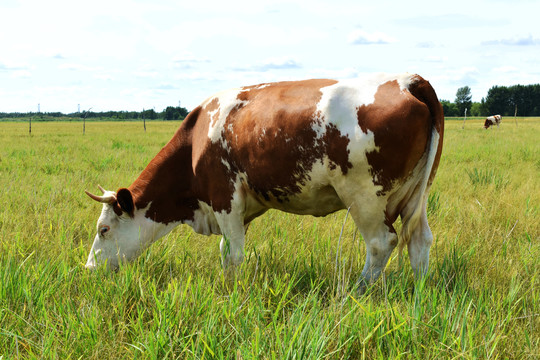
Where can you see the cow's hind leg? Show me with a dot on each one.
(379, 247)
(381, 239)
(419, 246)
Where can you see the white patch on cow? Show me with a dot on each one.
(127, 237)
(226, 163)
(204, 220)
(207, 221)
(340, 102)
(228, 100)
(262, 86)
(232, 225)
(262, 135)
(338, 107)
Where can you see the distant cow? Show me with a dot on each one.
(492, 120)
(371, 145)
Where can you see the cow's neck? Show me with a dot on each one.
(164, 186)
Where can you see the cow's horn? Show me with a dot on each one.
(106, 199)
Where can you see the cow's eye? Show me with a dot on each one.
(104, 229)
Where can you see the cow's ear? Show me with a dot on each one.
(125, 200)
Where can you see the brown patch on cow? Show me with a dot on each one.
(274, 138)
(401, 125)
(211, 107)
(389, 219)
(166, 181)
(423, 92)
(336, 149)
(269, 138)
(214, 182)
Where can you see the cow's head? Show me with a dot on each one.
(122, 230)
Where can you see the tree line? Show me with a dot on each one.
(502, 100)
(170, 113)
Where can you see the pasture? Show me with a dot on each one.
(292, 297)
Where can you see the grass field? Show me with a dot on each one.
(481, 299)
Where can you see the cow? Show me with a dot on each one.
(312, 147)
(492, 120)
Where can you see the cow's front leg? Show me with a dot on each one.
(232, 242)
(232, 251)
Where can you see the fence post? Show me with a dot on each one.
(84, 121)
(465, 118)
(144, 120)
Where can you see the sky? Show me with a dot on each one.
(132, 55)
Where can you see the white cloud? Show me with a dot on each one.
(282, 63)
(437, 59)
(21, 74)
(190, 58)
(466, 75)
(505, 69)
(198, 76)
(149, 74)
(515, 41)
(9, 66)
(104, 77)
(450, 21)
(189, 61)
(77, 67)
(278, 63)
(426, 45)
(345, 73)
(361, 37)
(166, 86)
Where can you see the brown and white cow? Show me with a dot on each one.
(305, 147)
(492, 120)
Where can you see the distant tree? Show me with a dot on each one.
(449, 108)
(504, 100)
(170, 113)
(498, 101)
(478, 108)
(174, 113)
(463, 100)
(149, 114)
(526, 98)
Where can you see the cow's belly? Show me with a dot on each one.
(318, 193)
(316, 201)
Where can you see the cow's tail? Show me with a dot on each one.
(416, 206)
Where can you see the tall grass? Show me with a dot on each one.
(485, 177)
(293, 296)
